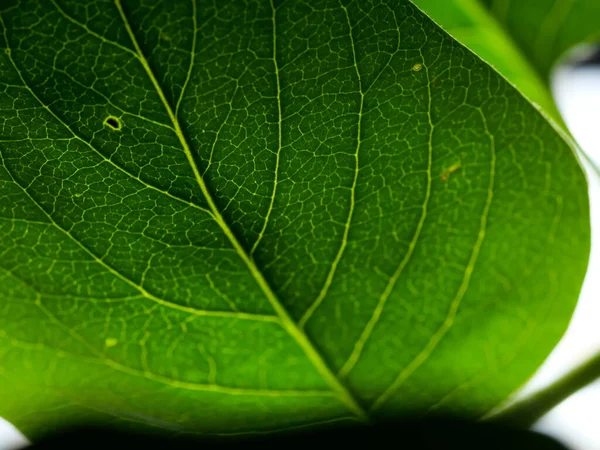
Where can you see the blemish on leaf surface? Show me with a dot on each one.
(113, 123)
(447, 172)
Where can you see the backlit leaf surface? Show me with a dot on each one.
(248, 215)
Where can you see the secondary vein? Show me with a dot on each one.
(286, 321)
(144, 293)
(448, 322)
(192, 56)
(338, 257)
(108, 267)
(186, 385)
(366, 333)
(88, 144)
(279, 119)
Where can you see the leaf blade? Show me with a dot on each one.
(423, 92)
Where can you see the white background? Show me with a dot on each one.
(576, 421)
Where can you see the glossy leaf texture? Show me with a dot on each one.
(240, 216)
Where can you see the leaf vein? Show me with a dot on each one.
(192, 57)
(448, 322)
(279, 131)
(377, 312)
(323, 293)
(89, 31)
(88, 144)
(289, 325)
(186, 385)
(146, 294)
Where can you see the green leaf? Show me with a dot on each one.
(547, 29)
(473, 25)
(236, 216)
(522, 40)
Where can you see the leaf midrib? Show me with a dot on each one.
(286, 320)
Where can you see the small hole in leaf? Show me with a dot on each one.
(113, 123)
